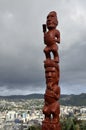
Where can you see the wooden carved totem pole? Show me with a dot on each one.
(51, 108)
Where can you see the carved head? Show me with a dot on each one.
(51, 72)
(52, 21)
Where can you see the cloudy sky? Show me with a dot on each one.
(21, 45)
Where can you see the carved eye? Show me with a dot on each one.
(52, 15)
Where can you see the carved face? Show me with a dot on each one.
(51, 75)
(51, 20)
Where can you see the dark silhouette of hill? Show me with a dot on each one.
(30, 96)
(74, 100)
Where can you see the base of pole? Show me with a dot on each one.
(51, 126)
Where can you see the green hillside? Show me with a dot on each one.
(74, 100)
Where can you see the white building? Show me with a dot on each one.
(11, 116)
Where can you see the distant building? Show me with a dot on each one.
(11, 116)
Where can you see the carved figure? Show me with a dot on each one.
(52, 36)
(51, 108)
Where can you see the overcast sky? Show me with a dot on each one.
(21, 45)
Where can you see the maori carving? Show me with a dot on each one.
(51, 108)
(52, 36)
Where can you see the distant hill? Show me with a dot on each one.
(30, 96)
(74, 100)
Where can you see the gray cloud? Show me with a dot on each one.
(21, 45)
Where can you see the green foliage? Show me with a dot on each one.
(83, 125)
(34, 127)
(68, 124)
(73, 124)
